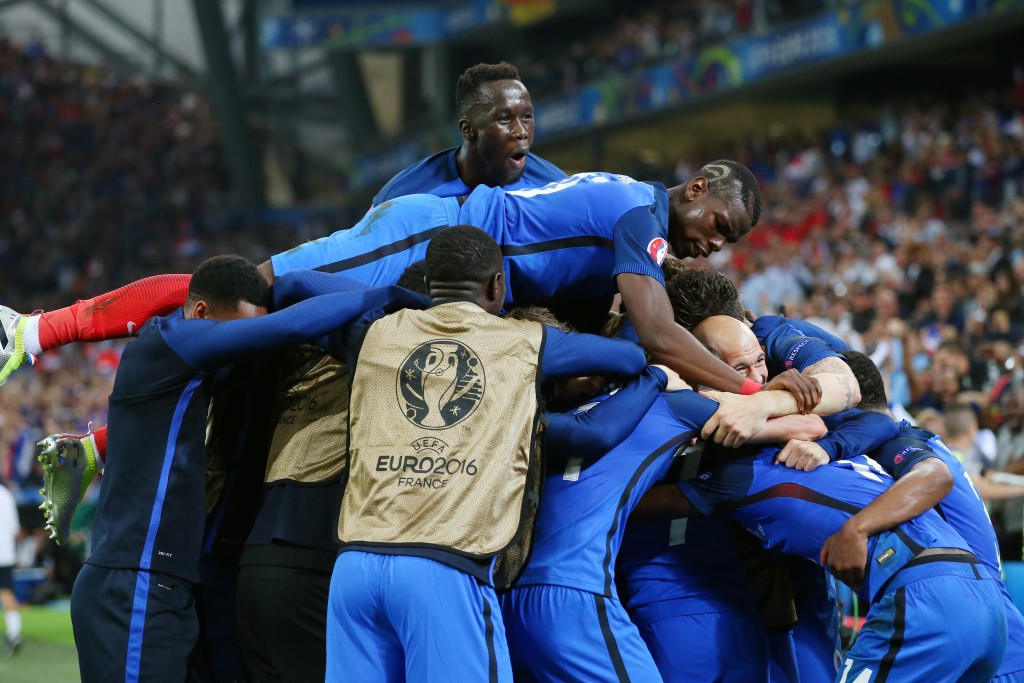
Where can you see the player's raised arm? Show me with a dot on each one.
(574, 355)
(221, 343)
(595, 429)
(651, 313)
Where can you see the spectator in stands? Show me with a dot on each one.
(9, 531)
(1010, 458)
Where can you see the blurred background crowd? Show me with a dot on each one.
(632, 40)
(898, 228)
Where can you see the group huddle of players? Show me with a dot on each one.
(378, 457)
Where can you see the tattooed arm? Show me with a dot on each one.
(839, 388)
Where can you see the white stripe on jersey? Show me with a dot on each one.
(559, 185)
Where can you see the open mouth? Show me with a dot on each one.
(518, 159)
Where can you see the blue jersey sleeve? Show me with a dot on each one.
(592, 432)
(690, 408)
(210, 344)
(855, 432)
(720, 486)
(899, 455)
(299, 285)
(766, 323)
(641, 238)
(787, 348)
(577, 355)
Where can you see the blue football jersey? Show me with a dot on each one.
(683, 559)
(965, 511)
(584, 506)
(795, 512)
(566, 239)
(438, 175)
(572, 237)
(766, 324)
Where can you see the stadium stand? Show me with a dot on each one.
(629, 40)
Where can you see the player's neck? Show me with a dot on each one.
(450, 292)
(471, 167)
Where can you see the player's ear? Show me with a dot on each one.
(696, 187)
(495, 291)
(467, 130)
(200, 309)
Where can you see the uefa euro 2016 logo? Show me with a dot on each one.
(440, 384)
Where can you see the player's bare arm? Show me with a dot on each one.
(669, 344)
(805, 388)
(839, 388)
(739, 418)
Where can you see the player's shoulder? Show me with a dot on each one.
(689, 407)
(540, 171)
(421, 177)
(896, 451)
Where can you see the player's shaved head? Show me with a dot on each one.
(733, 342)
(731, 181)
(720, 205)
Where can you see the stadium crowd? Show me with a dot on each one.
(663, 31)
(896, 233)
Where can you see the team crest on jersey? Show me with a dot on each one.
(658, 249)
(440, 384)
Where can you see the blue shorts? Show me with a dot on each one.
(782, 657)
(704, 647)
(937, 622)
(405, 618)
(376, 250)
(132, 625)
(557, 633)
(816, 634)
(1012, 668)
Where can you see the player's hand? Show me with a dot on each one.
(802, 455)
(675, 382)
(737, 419)
(804, 388)
(845, 553)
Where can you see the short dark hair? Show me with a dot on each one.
(223, 282)
(872, 388)
(467, 90)
(463, 252)
(732, 181)
(414, 277)
(697, 294)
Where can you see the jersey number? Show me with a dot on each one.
(863, 677)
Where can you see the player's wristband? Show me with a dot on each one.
(750, 387)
